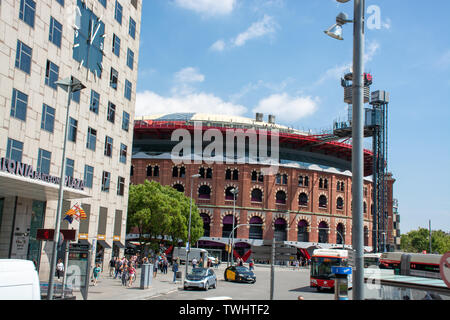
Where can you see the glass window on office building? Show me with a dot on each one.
(27, 11)
(108, 146)
(14, 150)
(48, 118)
(55, 33)
(126, 121)
(132, 28)
(88, 176)
(114, 78)
(91, 139)
(120, 186)
(23, 57)
(75, 97)
(116, 45)
(103, 2)
(70, 166)
(130, 58)
(19, 104)
(128, 89)
(111, 112)
(106, 180)
(123, 153)
(118, 12)
(95, 101)
(51, 74)
(44, 158)
(73, 125)
(61, 2)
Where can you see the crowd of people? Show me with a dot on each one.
(124, 269)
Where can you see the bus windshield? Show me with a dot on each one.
(321, 266)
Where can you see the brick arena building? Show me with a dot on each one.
(306, 203)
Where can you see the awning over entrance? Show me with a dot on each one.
(119, 244)
(13, 185)
(104, 244)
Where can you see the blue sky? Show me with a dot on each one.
(245, 56)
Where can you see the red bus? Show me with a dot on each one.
(321, 262)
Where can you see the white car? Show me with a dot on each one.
(203, 278)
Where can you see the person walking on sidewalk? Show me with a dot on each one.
(155, 268)
(175, 270)
(125, 273)
(131, 274)
(96, 273)
(60, 268)
(112, 266)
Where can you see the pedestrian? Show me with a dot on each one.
(194, 263)
(60, 268)
(175, 270)
(251, 264)
(131, 274)
(112, 266)
(96, 273)
(155, 268)
(118, 268)
(125, 274)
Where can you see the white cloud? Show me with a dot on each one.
(219, 45)
(208, 7)
(258, 29)
(148, 102)
(266, 26)
(189, 75)
(444, 60)
(288, 109)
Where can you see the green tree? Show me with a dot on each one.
(418, 240)
(162, 211)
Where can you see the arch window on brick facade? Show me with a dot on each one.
(179, 187)
(256, 232)
(149, 171)
(132, 171)
(156, 171)
(229, 195)
(204, 192)
(175, 172)
(254, 175)
(323, 232)
(228, 174)
(206, 224)
(302, 233)
(280, 229)
(300, 181)
(340, 186)
(340, 203)
(257, 195)
(228, 226)
(340, 233)
(366, 236)
(209, 173)
(323, 201)
(364, 207)
(281, 197)
(303, 199)
(235, 174)
(278, 178)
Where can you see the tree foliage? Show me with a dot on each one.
(161, 211)
(418, 240)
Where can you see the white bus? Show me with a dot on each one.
(412, 264)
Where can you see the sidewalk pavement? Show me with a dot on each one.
(108, 288)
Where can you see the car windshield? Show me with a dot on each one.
(242, 269)
(199, 271)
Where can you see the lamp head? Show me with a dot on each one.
(342, 1)
(335, 31)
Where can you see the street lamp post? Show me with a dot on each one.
(234, 191)
(357, 137)
(70, 85)
(188, 247)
